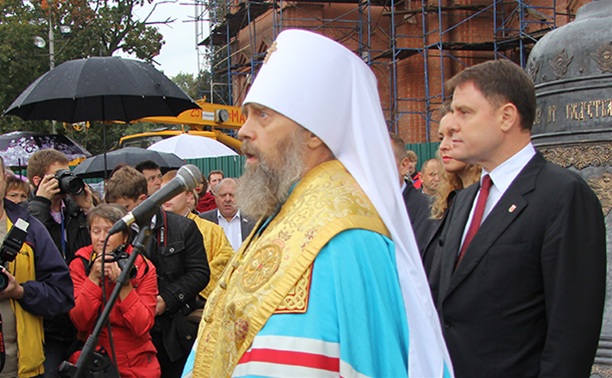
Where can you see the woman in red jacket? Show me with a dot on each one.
(133, 314)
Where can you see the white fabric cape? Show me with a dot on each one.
(328, 90)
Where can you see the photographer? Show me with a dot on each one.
(62, 210)
(38, 285)
(133, 315)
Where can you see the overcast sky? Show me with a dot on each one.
(179, 53)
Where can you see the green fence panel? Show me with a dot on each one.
(232, 166)
(93, 180)
(424, 151)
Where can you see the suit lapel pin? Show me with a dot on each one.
(512, 208)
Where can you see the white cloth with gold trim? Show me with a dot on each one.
(330, 91)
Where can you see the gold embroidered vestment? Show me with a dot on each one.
(271, 272)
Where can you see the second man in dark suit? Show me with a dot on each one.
(416, 203)
(227, 215)
(520, 292)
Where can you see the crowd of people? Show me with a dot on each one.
(154, 321)
(322, 258)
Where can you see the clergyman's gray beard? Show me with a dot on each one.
(265, 185)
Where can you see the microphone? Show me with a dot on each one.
(187, 178)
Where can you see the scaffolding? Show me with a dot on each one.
(413, 46)
(452, 37)
(233, 62)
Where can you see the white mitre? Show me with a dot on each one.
(328, 90)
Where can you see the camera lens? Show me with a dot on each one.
(3, 281)
(74, 185)
(123, 264)
(69, 182)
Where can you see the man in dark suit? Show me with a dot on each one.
(520, 293)
(227, 215)
(416, 203)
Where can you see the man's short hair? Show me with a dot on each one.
(398, 146)
(147, 165)
(500, 82)
(117, 167)
(427, 163)
(222, 182)
(411, 155)
(215, 172)
(41, 160)
(126, 182)
(169, 175)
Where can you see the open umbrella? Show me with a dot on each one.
(95, 167)
(188, 146)
(101, 89)
(17, 147)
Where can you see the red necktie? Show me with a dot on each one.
(477, 218)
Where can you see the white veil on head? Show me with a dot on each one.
(328, 90)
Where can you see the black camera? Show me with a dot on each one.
(11, 246)
(120, 256)
(69, 182)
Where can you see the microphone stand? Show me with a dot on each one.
(85, 358)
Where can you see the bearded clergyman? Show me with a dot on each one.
(330, 281)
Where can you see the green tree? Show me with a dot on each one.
(187, 83)
(218, 94)
(20, 60)
(99, 28)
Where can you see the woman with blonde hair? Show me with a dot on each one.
(16, 189)
(455, 176)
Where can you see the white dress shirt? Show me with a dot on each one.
(502, 176)
(232, 229)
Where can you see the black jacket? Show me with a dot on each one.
(77, 236)
(528, 297)
(419, 212)
(75, 222)
(435, 242)
(246, 224)
(177, 250)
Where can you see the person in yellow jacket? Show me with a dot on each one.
(38, 285)
(218, 248)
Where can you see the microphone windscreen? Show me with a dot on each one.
(190, 175)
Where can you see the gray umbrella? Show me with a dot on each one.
(101, 89)
(94, 167)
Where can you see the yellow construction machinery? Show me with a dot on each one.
(208, 121)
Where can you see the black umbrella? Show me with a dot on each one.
(94, 167)
(101, 89)
(17, 147)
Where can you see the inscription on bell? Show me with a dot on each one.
(585, 110)
(551, 115)
(576, 111)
